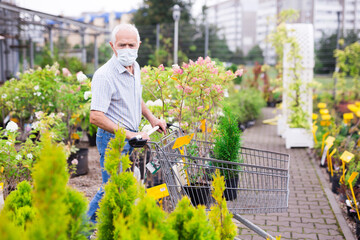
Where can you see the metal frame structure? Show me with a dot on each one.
(16, 26)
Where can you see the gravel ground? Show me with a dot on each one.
(91, 182)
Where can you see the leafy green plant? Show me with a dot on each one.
(227, 141)
(16, 161)
(246, 104)
(348, 61)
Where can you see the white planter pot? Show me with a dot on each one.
(281, 126)
(298, 137)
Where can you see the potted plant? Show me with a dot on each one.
(195, 176)
(226, 148)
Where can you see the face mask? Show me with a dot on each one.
(126, 56)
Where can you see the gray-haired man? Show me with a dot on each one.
(116, 99)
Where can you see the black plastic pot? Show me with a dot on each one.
(198, 194)
(82, 167)
(357, 229)
(335, 183)
(231, 185)
(92, 140)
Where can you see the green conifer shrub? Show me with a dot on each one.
(191, 223)
(219, 216)
(9, 231)
(227, 141)
(120, 191)
(76, 204)
(18, 205)
(50, 178)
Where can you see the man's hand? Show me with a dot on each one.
(161, 123)
(143, 135)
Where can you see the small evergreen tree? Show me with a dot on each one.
(219, 215)
(190, 222)
(18, 205)
(227, 141)
(121, 189)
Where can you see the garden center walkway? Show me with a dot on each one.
(310, 215)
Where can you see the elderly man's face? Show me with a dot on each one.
(125, 39)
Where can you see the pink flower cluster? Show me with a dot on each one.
(161, 67)
(195, 79)
(177, 69)
(217, 88)
(239, 72)
(188, 89)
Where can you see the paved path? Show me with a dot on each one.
(310, 215)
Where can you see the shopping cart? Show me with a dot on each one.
(259, 183)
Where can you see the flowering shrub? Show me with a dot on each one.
(188, 94)
(48, 91)
(16, 162)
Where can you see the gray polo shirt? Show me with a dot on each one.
(117, 93)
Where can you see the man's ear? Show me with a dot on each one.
(112, 47)
(139, 44)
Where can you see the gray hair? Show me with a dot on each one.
(124, 26)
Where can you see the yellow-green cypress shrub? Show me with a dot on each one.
(219, 215)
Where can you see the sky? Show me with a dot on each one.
(76, 7)
(73, 8)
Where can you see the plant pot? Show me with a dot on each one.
(298, 137)
(281, 126)
(335, 183)
(92, 139)
(82, 167)
(199, 194)
(357, 229)
(231, 185)
(271, 104)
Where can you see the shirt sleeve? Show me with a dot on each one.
(101, 93)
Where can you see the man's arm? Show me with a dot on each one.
(99, 119)
(152, 119)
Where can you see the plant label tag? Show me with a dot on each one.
(323, 157)
(159, 191)
(329, 141)
(181, 141)
(352, 177)
(346, 156)
(152, 168)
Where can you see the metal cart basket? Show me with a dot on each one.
(258, 183)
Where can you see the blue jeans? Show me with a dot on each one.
(102, 139)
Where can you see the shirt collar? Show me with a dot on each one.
(120, 67)
(117, 65)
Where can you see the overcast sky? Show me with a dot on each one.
(75, 7)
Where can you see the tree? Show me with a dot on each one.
(158, 11)
(255, 55)
(325, 60)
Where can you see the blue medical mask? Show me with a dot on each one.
(126, 56)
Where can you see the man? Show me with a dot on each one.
(116, 99)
